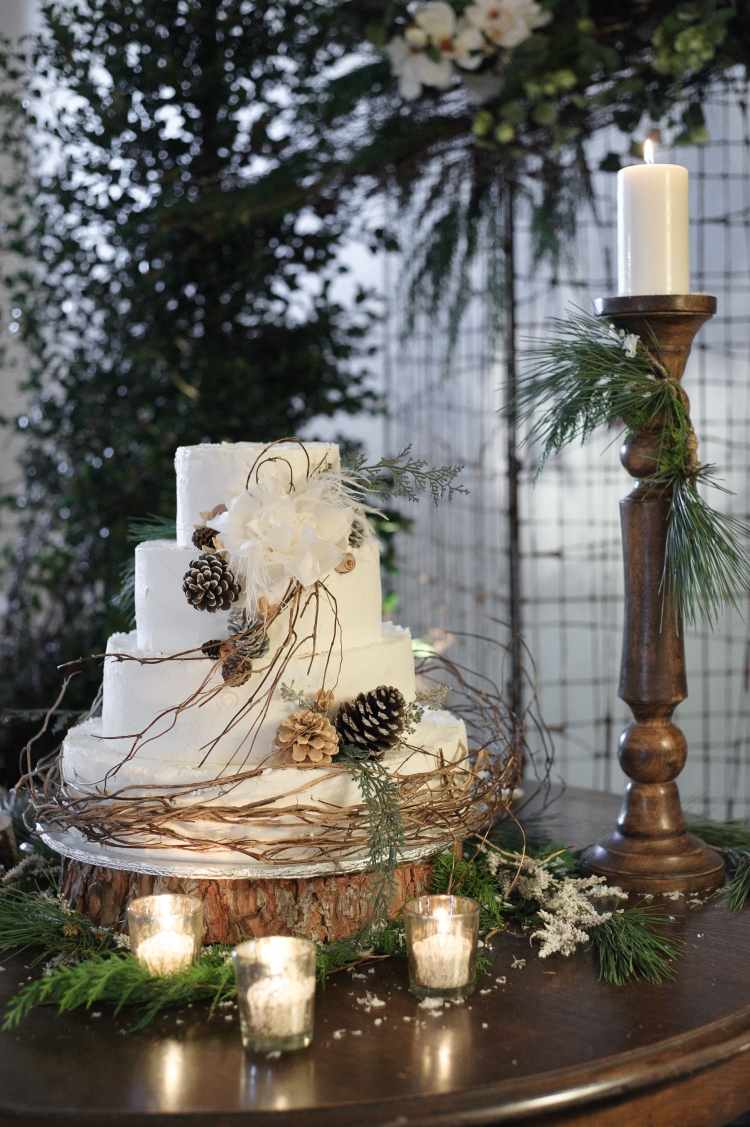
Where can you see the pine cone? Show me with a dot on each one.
(248, 635)
(235, 667)
(209, 583)
(373, 721)
(203, 538)
(308, 736)
(358, 533)
(211, 648)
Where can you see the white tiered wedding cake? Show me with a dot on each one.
(294, 559)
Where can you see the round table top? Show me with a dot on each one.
(541, 1041)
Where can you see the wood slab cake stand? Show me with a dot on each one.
(322, 908)
(650, 850)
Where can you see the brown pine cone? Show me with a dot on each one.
(308, 736)
(235, 668)
(358, 533)
(203, 538)
(373, 721)
(209, 583)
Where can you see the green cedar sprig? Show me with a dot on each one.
(402, 476)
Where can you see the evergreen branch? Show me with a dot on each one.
(43, 922)
(628, 947)
(120, 980)
(737, 889)
(581, 378)
(402, 476)
(707, 565)
(385, 829)
(732, 835)
(459, 877)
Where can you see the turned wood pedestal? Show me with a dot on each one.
(649, 850)
(321, 908)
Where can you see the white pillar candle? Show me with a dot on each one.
(652, 228)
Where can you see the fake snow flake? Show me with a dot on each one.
(274, 1055)
(370, 1002)
(338, 1034)
(517, 964)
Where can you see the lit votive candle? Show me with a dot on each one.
(441, 941)
(276, 993)
(166, 931)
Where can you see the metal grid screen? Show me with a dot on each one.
(455, 570)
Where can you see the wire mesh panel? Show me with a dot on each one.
(454, 571)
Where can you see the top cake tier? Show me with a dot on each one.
(213, 473)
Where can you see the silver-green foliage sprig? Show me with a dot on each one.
(587, 375)
(402, 476)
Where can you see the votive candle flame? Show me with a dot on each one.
(166, 931)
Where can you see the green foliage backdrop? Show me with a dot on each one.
(156, 307)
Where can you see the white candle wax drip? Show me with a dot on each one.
(279, 1006)
(443, 959)
(166, 952)
(652, 228)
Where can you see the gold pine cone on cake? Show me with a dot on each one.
(308, 737)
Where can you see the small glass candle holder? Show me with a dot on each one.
(166, 931)
(441, 941)
(276, 993)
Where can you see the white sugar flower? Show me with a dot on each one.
(506, 23)
(414, 69)
(275, 534)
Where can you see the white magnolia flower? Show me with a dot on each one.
(506, 23)
(414, 69)
(275, 535)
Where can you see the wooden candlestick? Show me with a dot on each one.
(650, 850)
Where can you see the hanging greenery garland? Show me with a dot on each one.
(586, 374)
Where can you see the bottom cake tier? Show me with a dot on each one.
(286, 811)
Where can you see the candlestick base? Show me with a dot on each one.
(650, 861)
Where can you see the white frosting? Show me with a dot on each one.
(87, 759)
(167, 623)
(213, 473)
(136, 694)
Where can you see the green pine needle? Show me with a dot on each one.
(722, 835)
(42, 922)
(629, 947)
(707, 562)
(385, 829)
(737, 889)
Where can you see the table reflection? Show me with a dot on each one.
(440, 1048)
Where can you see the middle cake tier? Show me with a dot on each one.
(231, 727)
(167, 623)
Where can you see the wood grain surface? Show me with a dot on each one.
(547, 1044)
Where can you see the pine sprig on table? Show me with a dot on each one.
(628, 946)
(402, 476)
(42, 922)
(120, 980)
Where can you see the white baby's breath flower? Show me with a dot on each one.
(506, 23)
(275, 534)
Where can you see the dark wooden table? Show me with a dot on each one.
(543, 1044)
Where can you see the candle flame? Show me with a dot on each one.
(649, 150)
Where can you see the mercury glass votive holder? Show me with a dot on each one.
(441, 942)
(166, 931)
(276, 993)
